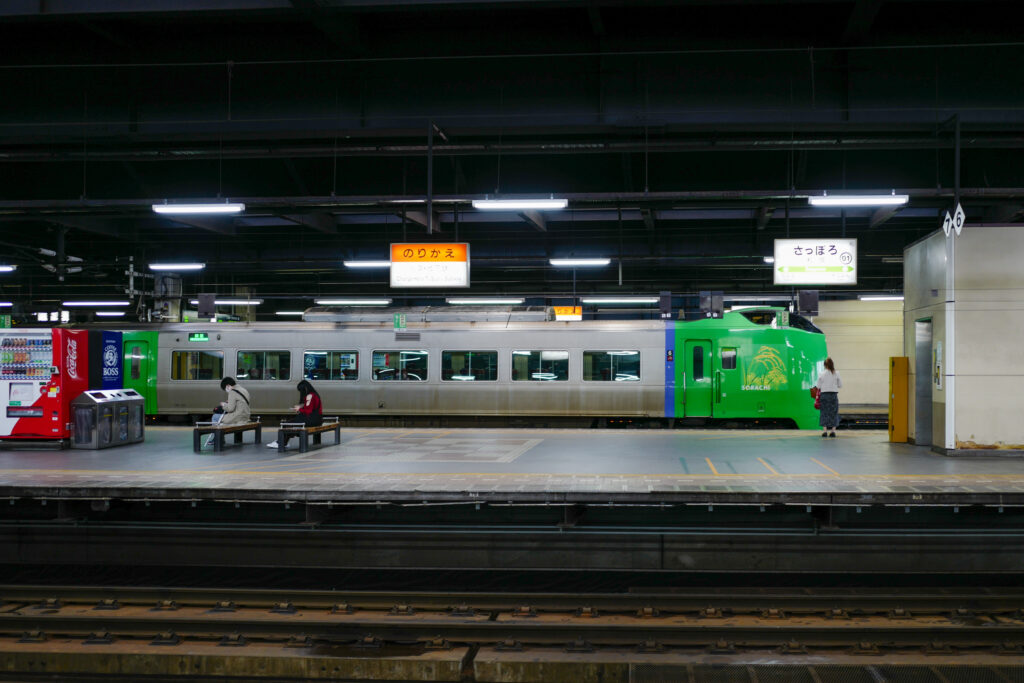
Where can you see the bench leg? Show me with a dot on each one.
(218, 441)
(303, 442)
(316, 439)
(337, 435)
(197, 439)
(259, 434)
(238, 437)
(280, 440)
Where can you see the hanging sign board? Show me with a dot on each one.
(430, 265)
(570, 313)
(816, 261)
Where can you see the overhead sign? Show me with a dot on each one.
(198, 337)
(954, 222)
(569, 313)
(816, 261)
(430, 265)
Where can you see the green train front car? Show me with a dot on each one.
(752, 365)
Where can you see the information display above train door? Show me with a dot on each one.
(816, 261)
(430, 265)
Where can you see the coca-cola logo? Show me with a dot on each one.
(72, 358)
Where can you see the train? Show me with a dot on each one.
(753, 366)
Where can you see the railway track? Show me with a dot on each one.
(90, 627)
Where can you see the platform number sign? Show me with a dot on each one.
(954, 222)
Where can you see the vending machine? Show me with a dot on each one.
(41, 372)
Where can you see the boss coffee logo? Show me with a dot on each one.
(110, 368)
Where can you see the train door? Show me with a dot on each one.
(139, 367)
(699, 373)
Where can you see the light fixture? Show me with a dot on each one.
(520, 204)
(366, 264)
(619, 299)
(859, 200)
(880, 297)
(176, 266)
(7, 268)
(769, 259)
(96, 303)
(353, 302)
(184, 209)
(231, 302)
(109, 314)
(485, 301)
(289, 312)
(584, 262)
(892, 259)
(6, 304)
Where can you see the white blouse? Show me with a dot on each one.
(829, 381)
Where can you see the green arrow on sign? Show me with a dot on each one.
(816, 269)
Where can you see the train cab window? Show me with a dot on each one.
(340, 365)
(611, 366)
(759, 316)
(698, 362)
(469, 366)
(197, 365)
(261, 365)
(728, 359)
(409, 366)
(540, 366)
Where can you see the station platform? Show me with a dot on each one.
(525, 465)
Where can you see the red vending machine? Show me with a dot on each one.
(41, 371)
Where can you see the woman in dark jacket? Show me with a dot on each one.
(309, 410)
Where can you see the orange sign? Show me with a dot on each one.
(430, 253)
(568, 312)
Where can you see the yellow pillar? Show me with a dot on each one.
(899, 370)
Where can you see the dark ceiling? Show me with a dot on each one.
(687, 136)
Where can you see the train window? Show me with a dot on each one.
(469, 366)
(698, 362)
(728, 359)
(340, 365)
(759, 316)
(410, 366)
(136, 367)
(197, 365)
(260, 365)
(611, 366)
(540, 366)
(802, 323)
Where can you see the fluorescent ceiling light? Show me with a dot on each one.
(109, 314)
(366, 264)
(892, 259)
(288, 312)
(182, 209)
(353, 302)
(486, 301)
(859, 200)
(769, 259)
(96, 303)
(619, 299)
(8, 269)
(520, 204)
(880, 297)
(177, 266)
(580, 261)
(231, 302)
(6, 304)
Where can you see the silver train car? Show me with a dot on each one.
(473, 364)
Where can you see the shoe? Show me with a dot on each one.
(273, 444)
(832, 435)
(824, 434)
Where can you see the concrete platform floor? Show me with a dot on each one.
(400, 463)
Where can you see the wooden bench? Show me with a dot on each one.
(218, 431)
(289, 429)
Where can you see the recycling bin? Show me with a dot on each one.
(102, 418)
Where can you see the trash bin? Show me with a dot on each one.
(107, 417)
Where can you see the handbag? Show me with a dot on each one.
(814, 392)
(817, 402)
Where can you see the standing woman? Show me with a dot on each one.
(829, 384)
(309, 411)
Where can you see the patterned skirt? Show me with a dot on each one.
(829, 417)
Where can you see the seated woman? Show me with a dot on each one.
(309, 411)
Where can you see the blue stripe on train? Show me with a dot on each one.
(670, 369)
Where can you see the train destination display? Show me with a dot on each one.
(816, 261)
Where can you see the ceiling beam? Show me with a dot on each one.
(420, 218)
(535, 219)
(223, 226)
(320, 221)
(881, 215)
(100, 226)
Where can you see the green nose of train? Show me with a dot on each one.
(752, 364)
